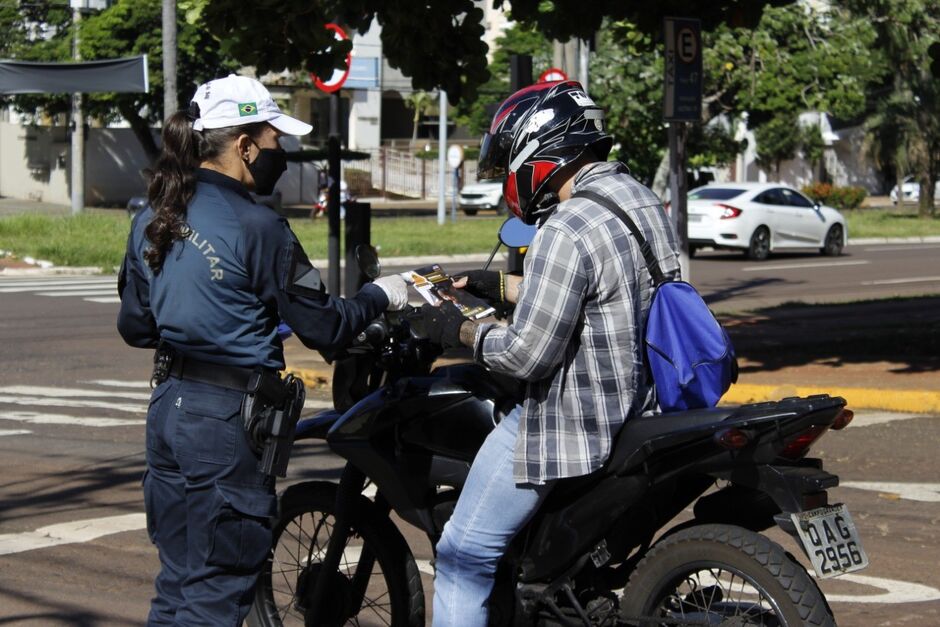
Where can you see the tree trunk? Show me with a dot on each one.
(925, 205)
(661, 178)
(141, 129)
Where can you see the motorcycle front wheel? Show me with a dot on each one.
(721, 574)
(377, 582)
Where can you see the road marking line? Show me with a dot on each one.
(4, 432)
(108, 299)
(916, 279)
(894, 591)
(16, 285)
(60, 392)
(61, 402)
(800, 266)
(70, 533)
(876, 249)
(63, 419)
(119, 384)
(923, 492)
(88, 292)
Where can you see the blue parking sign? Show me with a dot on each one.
(683, 80)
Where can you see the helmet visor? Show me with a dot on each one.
(493, 159)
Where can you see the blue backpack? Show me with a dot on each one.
(688, 353)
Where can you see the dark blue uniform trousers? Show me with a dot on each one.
(208, 507)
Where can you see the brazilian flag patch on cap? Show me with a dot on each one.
(247, 108)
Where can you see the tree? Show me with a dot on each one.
(477, 114)
(904, 128)
(126, 28)
(420, 102)
(437, 44)
(795, 60)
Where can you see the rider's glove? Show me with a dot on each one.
(489, 285)
(396, 289)
(442, 324)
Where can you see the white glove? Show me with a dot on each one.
(396, 289)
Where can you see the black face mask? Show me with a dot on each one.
(267, 168)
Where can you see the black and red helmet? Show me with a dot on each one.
(536, 132)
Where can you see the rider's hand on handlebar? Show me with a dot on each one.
(396, 289)
(489, 285)
(442, 324)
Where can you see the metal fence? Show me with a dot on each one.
(395, 172)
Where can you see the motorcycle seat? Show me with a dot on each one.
(638, 436)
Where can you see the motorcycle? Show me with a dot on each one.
(609, 548)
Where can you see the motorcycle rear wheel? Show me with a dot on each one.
(720, 573)
(393, 594)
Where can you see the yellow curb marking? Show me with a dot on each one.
(311, 378)
(910, 401)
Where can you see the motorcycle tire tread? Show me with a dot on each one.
(804, 594)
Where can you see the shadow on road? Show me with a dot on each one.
(904, 331)
(76, 489)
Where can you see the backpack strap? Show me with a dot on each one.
(652, 265)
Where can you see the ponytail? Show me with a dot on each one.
(173, 178)
(172, 185)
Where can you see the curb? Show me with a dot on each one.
(902, 401)
(863, 241)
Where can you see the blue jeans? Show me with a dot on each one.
(208, 506)
(492, 508)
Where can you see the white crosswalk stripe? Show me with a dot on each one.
(94, 289)
(103, 403)
(96, 403)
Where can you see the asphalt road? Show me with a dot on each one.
(73, 549)
(728, 282)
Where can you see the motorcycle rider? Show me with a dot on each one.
(575, 337)
(206, 278)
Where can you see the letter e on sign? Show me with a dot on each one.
(687, 45)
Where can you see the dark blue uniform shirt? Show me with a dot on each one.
(223, 289)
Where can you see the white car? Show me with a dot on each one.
(484, 195)
(910, 191)
(758, 218)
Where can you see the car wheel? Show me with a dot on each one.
(759, 248)
(692, 250)
(832, 246)
(470, 212)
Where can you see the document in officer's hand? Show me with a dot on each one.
(436, 286)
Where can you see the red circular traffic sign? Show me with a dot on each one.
(552, 74)
(339, 76)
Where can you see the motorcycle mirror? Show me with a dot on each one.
(515, 233)
(367, 258)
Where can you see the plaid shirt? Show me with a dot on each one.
(576, 332)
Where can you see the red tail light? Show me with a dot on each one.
(843, 419)
(729, 211)
(731, 439)
(797, 447)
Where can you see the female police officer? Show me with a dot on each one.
(208, 273)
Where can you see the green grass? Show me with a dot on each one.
(98, 238)
(890, 223)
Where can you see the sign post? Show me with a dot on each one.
(682, 103)
(332, 86)
(454, 159)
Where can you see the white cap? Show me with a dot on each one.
(236, 100)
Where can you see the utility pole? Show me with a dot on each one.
(442, 159)
(333, 200)
(78, 125)
(170, 101)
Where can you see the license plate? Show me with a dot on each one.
(831, 540)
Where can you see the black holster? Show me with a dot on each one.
(270, 412)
